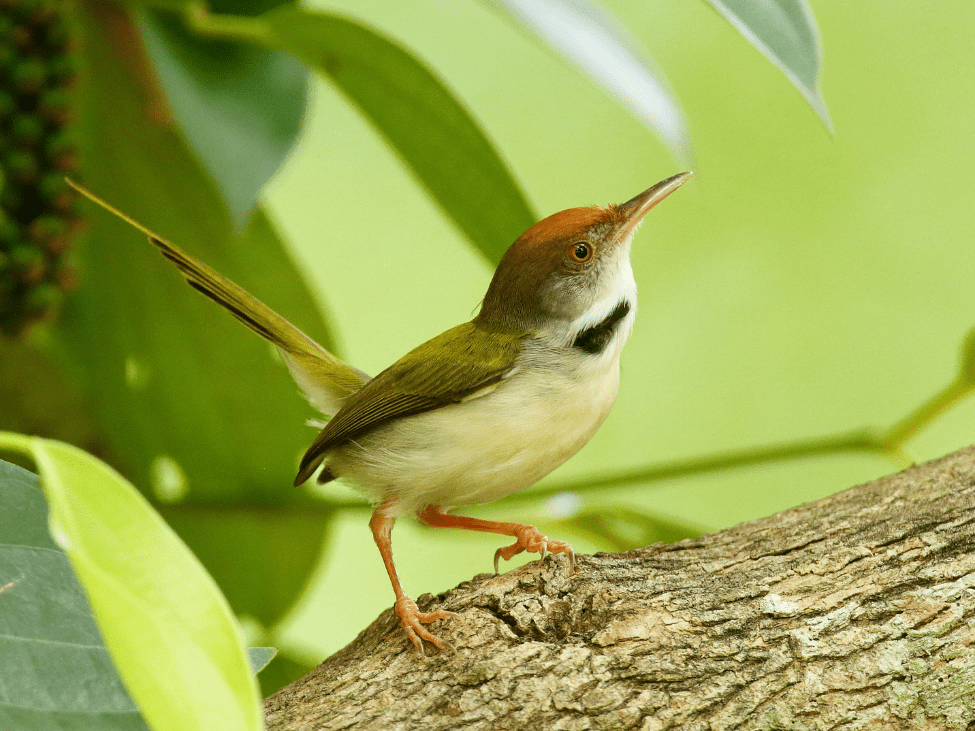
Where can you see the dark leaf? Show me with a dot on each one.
(240, 107)
(56, 673)
(422, 120)
(195, 405)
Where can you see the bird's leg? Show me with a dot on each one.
(411, 617)
(528, 537)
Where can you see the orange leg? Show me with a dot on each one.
(411, 617)
(527, 537)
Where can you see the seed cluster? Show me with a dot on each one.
(38, 222)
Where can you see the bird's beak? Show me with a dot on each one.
(636, 208)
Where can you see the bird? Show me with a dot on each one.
(481, 411)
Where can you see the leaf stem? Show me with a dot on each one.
(11, 442)
(861, 440)
(888, 443)
(226, 27)
(927, 412)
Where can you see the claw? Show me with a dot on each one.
(530, 539)
(413, 620)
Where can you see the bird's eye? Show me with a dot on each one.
(582, 251)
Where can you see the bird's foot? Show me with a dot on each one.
(413, 620)
(530, 539)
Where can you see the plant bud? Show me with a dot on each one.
(29, 261)
(38, 220)
(26, 129)
(29, 76)
(21, 167)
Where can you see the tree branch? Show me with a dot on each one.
(855, 611)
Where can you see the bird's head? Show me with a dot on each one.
(571, 266)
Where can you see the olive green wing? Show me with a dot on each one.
(462, 363)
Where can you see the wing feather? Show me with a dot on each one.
(423, 380)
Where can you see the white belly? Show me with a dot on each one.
(486, 448)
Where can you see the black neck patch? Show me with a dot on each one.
(595, 338)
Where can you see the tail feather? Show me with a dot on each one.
(326, 380)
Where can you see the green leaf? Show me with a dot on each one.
(405, 101)
(170, 632)
(228, 98)
(785, 31)
(600, 46)
(260, 657)
(275, 550)
(194, 404)
(56, 673)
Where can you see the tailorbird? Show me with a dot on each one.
(483, 410)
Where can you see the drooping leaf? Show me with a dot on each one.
(56, 673)
(194, 404)
(421, 119)
(260, 657)
(600, 46)
(169, 631)
(785, 32)
(239, 106)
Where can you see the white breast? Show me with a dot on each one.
(489, 447)
(506, 438)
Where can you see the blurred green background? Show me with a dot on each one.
(802, 285)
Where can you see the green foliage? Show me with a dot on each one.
(173, 355)
(56, 672)
(200, 416)
(281, 671)
(622, 528)
(168, 629)
(433, 133)
(229, 97)
(601, 48)
(275, 549)
(783, 30)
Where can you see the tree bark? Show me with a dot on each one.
(852, 612)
